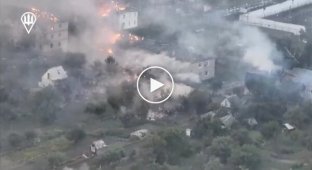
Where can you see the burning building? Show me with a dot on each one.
(55, 39)
(127, 19)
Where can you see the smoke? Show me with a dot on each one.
(259, 51)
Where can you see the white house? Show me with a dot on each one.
(289, 127)
(52, 75)
(226, 103)
(188, 132)
(142, 133)
(153, 116)
(97, 146)
(127, 19)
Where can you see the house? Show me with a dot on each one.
(227, 120)
(153, 116)
(140, 134)
(55, 39)
(127, 19)
(188, 132)
(210, 114)
(96, 146)
(204, 68)
(226, 103)
(236, 87)
(252, 122)
(231, 101)
(288, 127)
(53, 74)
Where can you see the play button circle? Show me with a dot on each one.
(155, 85)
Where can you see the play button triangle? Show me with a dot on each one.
(154, 85)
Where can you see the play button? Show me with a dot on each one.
(155, 85)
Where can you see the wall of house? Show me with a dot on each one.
(128, 20)
(57, 38)
(205, 69)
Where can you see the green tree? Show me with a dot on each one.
(207, 127)
(214, 164)
(270, 129)
(76, 135)
(221, 147)
(170, 145)
(96, 108)
(15, 140)
(55, 160)
(297, 117)
(113, 156)
(241, 136)
(246, 156)
(46, 104)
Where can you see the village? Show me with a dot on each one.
(241, 69)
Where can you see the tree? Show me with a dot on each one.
(297, 116)
(30, 137)
(113, 156)
(214, 164)
(75, 60)
(96, 108)
(169, 145)
(307, 142)
(15, 140)
(270, 129)
(55, 160)
(241, 136)
(197, 101)
(221, 147)
(207, 127)
(246, 156)
(76, 135)
(46, 104)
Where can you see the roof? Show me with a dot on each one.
(278, 8)
(99, 144)
(289, 126)
(51, 75)
(140, 133)
(210, 114)
(228, 120)
(252, 122)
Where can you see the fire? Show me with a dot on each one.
(115, 38)
(107, 8)
(44, 15)
(110, 51)
(104, 11)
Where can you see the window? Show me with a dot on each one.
(59, 34)
(206, 73)
(51, 45)
(59, 44)
(199, 65)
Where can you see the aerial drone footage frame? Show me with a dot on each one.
(155, 85)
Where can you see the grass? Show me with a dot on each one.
(41, 151)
